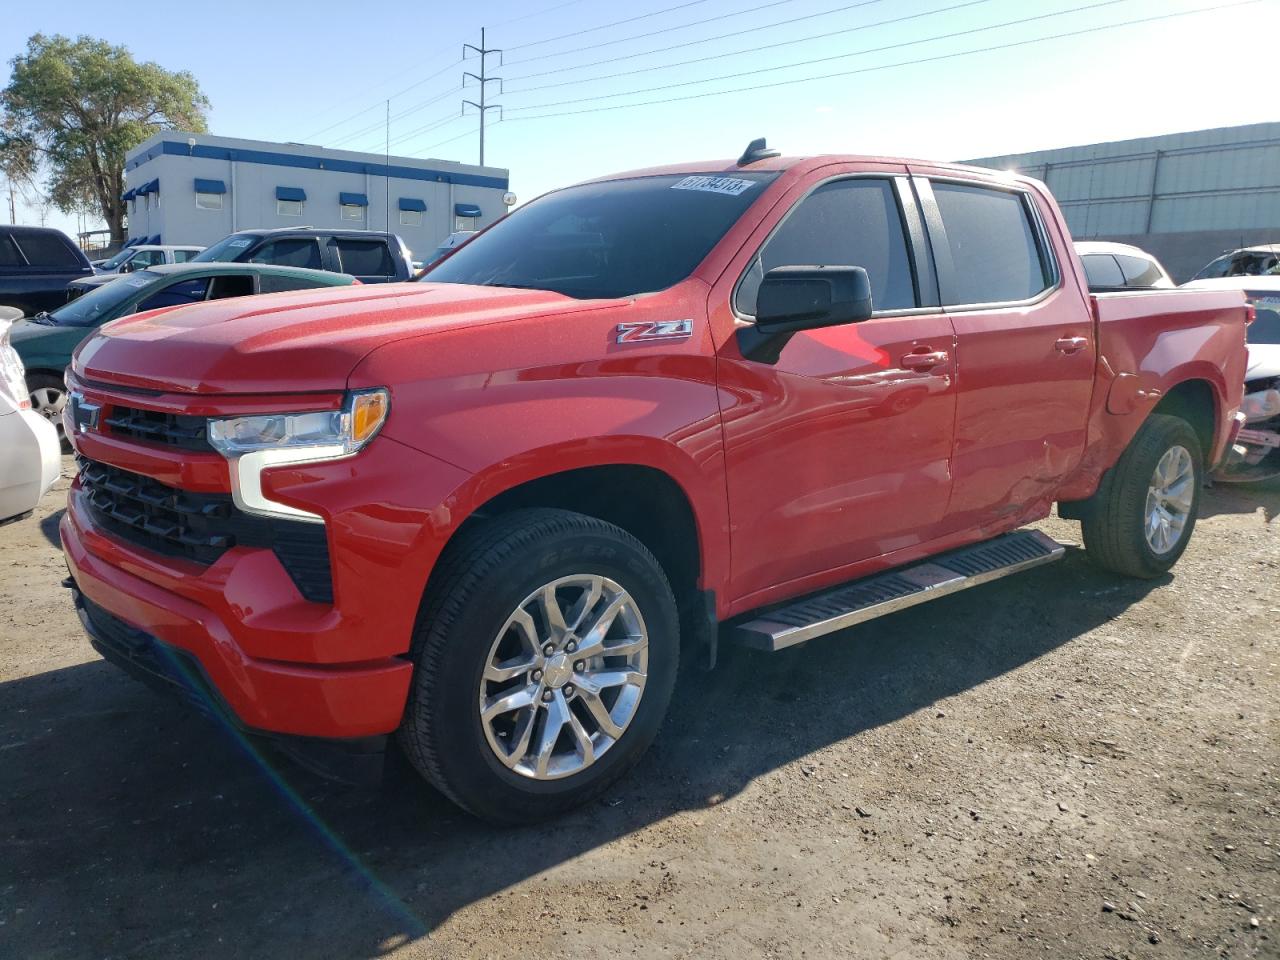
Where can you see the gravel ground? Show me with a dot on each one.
(1058, 764)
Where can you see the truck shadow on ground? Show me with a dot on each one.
(135, 828)
(1243, 498)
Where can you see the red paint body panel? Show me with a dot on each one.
(837, 461)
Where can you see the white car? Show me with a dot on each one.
(30, 452)
(1260, 261)
(146, 255)
(1260, 437)
(1119, 266)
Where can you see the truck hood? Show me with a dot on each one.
(302, 342)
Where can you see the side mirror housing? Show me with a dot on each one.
(797, 298)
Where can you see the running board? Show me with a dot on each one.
(898, 589)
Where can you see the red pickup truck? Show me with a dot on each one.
(485, 513)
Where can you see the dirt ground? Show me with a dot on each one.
(1058, 764)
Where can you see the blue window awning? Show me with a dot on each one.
(128, 195)
(353, 199)
(210, 186)
(154, 238)
(291, 193)
(130, 242)
(151, 186)
(466, 210)
(414, 204)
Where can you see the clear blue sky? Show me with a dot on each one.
(283, 70)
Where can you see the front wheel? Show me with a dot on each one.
(48, 398)
(1144, 512)
(545, 657)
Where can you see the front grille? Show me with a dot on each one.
(154, 426)
(201, 527)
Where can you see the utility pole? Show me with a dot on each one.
(483, 79)
(388, 156)
(13, 214)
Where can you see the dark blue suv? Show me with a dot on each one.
(367, 255)
(36, 264)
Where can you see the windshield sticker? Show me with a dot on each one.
(238, 244)
(730, 186)
(138, 281)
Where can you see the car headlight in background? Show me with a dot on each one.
(254, 443)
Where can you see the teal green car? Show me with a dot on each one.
(46, 341)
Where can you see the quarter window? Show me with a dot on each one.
(1102, 271)
(855, 223)
(995, 256)
(1138, 271)
(46, 250)
(289, 253)
(365, 258)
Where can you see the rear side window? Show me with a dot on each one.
(365, 258)
(47, 250)
(1101, 270)
(995, 257)
(271, 283)
(289, 253)
(852, 223)
(183, 292)
(1139, 272)
(182, 256)
(1214, 270)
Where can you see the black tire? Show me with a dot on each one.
(482, 579)
(42, 387)
(1114, 524)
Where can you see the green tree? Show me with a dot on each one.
(74, 108)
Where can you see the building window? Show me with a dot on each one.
(209, 193)
(466, 216)
(352, 211)
(209, 201)
(464, 223)
(351, 205)
(410, 218)
(289, 201)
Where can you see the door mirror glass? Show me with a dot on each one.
(806, 297)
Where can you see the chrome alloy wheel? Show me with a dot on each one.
(564, 677)
(1169, 499)
(48, 402)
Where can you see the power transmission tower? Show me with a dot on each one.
(483, 79)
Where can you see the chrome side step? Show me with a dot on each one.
(898, 589)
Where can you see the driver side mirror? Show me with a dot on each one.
(127, 267)
(797, 298)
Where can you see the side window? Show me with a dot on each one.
(233, 285)
(1218, 268)
(9, 255)
(47, 251)
(853, 223)
(186, 291)
(289, 253)
(1102, 271)
(365, 258)
(147, 258)
(274, 283)
(182, 256)
(995, 257)
(1139, 272)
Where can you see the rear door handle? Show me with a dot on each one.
(1071, 344)
(925, 359)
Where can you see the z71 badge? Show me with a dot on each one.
(654, 330)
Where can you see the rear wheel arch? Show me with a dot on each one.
(1197, 402)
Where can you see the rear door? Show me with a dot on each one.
(1024, 343)
(838, 452)
(289, 252)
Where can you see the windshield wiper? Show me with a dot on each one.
(44, 318)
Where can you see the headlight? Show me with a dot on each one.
(347, 429)
(258, 442)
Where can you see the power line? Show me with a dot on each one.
(816, 60)
(606, 26)
(680, 26)
(427, 128)
(538, 13)
(767, 46)
(398, 93)
(889, 66)
(396, 116)
(467, 133)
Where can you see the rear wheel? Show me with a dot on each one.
(1145, 511)
(545, 658)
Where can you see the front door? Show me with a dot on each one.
(1025, 347)
(839, 451)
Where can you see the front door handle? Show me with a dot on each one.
(925, 359)
(1071, 345)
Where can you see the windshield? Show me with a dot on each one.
(118, 259)
(620, 238)
(1266, 327)
(225, 250)
(101, 304)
